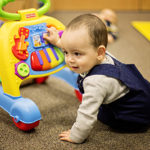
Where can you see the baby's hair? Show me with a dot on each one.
(96, 28)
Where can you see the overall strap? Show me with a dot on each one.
(102, 69)
(126, 73)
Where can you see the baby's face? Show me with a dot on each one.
(80, 55)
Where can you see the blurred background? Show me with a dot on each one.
(59, 5)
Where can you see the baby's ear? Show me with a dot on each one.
(101, 52)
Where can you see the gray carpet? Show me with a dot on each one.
(58, 104)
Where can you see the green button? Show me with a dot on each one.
(23, 69)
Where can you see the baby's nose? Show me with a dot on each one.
(70, 59)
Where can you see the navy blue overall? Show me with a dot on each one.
(132, 111)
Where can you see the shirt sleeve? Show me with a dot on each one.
(93, 96)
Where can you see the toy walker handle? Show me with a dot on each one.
(15, 16)
(44, 9)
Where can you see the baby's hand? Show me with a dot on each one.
(65, 136)
(52, 36)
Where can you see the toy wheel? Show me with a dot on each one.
(78, 95)
(41, 80)
(24, 126)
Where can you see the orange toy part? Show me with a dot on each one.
(46, 64)
(20, 47)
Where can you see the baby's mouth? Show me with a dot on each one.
(74, 67)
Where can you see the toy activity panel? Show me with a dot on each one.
(30, 56)
(35, 54)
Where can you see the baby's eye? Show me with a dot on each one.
(65, 53)
(77, 53)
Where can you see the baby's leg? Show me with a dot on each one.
(106, 116)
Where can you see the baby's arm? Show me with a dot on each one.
(53, 37)
(88, 109)
(87, 113)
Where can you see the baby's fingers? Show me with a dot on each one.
(51, 30)
(65, 138)
(63, 134)
(45, 36)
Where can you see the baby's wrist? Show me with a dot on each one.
(58, 43)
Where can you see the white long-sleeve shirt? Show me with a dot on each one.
(98, 89)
